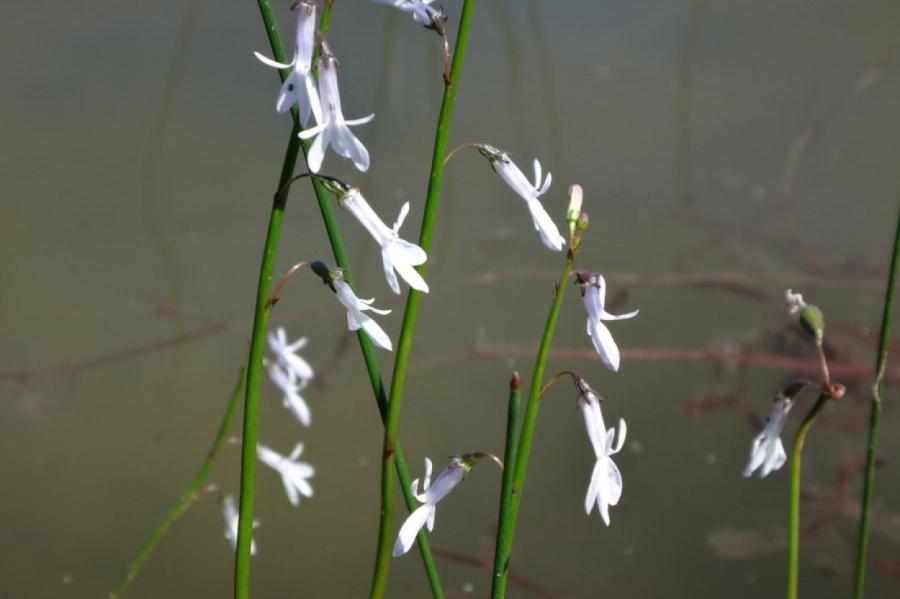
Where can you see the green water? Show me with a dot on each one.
(140, 150)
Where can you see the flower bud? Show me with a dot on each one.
(576, 197)
(812, 319)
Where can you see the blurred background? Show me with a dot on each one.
(728, 150)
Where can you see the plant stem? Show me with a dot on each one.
(410, 314)
(875, 417)
(794, 510)
(340, 256)
(509, 458)
(187, 497)
(507, 525)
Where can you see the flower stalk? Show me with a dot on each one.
(875, 418)
(410, 314)
(507, 524)
(794, 499)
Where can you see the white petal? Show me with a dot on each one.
(775, 457)
(404, 210)
(537, 173)
(614, 482)
(298, 408)
(543, 189)
(545, 226)
(594, 486)
(604, 315)
(273, 63)
(604, 344)
(757, 456)
(355, 320)
(409, 252)
(389, 271)
(430, 523)
(411, 276)
(407, 535)
(595, 433)
(288, 95)
(293, 497)
(377, 334)
(427, 480)
(622, 430)
(362, 121)
(316, 153)
(347, 145)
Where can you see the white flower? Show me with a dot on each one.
(605, 488)
(430, 496)
(286, 354)
(594, 297)
(300, 87)
(794, 302)
(229, 511)
(514, 177)
(420, 10)
(293, 473)
(396, 254)
(333, 130)
(356, 318)
(767, 453)
(291, 386)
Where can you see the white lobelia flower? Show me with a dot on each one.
(594, 298)
(605, 488)
(230, 513)
(356, 318)
(396, 254)
(420, 9)
(300, 87)
(333, 130)
(286, 354)
(291, 386)
(516, 179)
(794, 301)
(294, 474)
(430, 496)
(767, 452)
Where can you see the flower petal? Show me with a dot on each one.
(414, 523)
(411, 276)
(545, 226)
(604, 344)
(389, 271)
(593, 487)
(604, 315)
(377, 334)
(614, 483)
(316, 153)
(273, 63)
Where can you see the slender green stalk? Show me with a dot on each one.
(507, 525)
(875, 417)
(340, 256)
(509, 458)
(404, 344)
(187, 497)
(794, 510)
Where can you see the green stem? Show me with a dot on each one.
(187, 497)
(260, 325)
(875, 417)
(507, 525)
(794, 510)
(340, 256)
(404, 344)
(509, 457)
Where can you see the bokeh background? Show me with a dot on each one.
(728, 150)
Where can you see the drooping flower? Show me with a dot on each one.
(291, 386)
(230, 513)
(294, 474)
(286, 354)
(767, 452)
(430, 496)
(333, 130)
(605, 488)
(593, 289)
(396, 254)
(794, 301)
(356, 317)
(514, 177)
(300, 87)
(420, 9)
